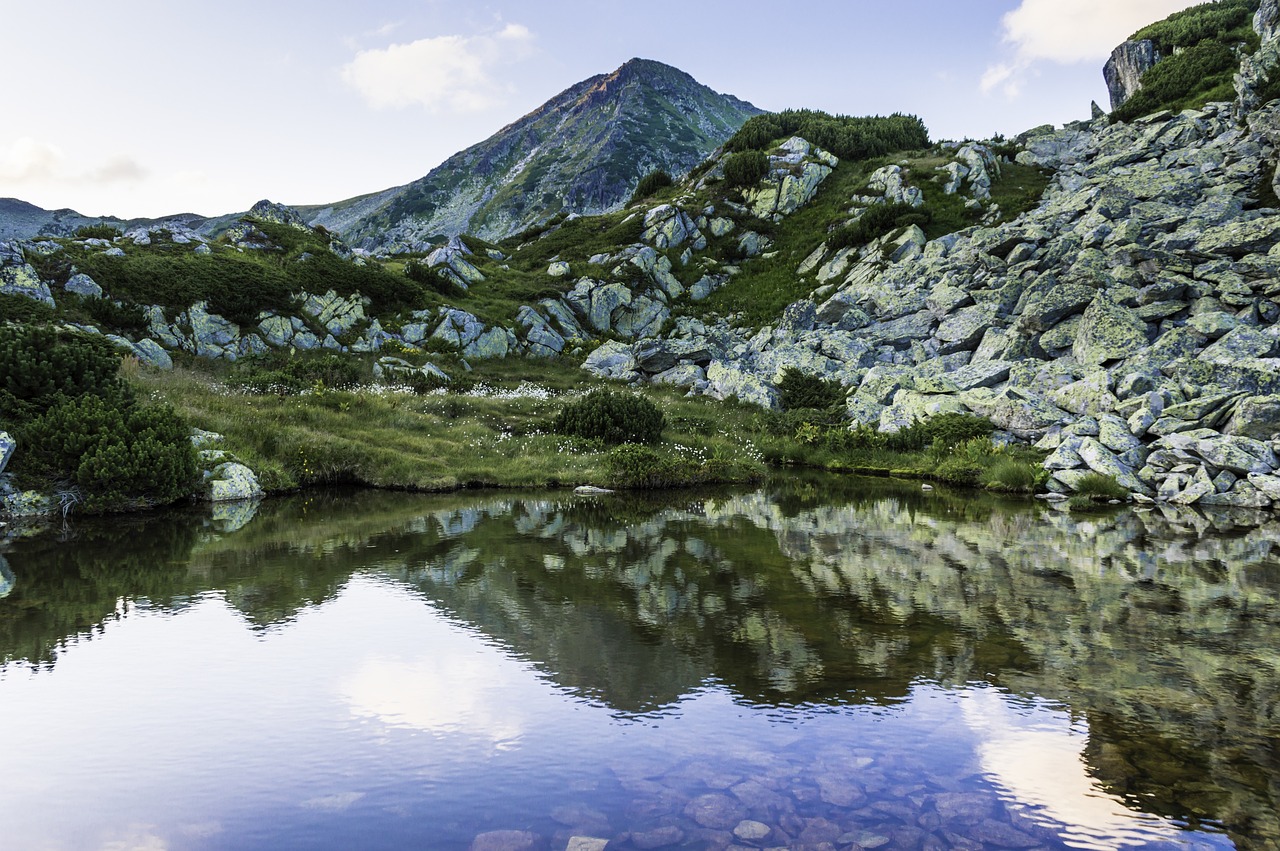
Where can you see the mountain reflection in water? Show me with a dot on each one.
(1086, 680)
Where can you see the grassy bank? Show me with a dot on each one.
(495, 429)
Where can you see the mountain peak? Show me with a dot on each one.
(582, 152)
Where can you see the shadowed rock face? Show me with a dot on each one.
(1123, 71)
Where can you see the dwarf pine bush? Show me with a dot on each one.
(612, 418)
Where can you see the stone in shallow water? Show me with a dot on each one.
(840, 791)
(582, 817)
(819, 830)
(586, 843)
(719, 812)
(659, 837)
(965, 806)
(505, 840)
(752, 831)
(996, 834)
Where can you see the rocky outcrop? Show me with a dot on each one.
(1123, 71)
(795, 173)
(1128, 324)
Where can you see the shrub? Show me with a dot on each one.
(846, 137)
(420, 273)
(99, 231)
(958, 471)
(41, 367)
(634, 466)
(20, 308)
(1013, 476)
(798, 390)
(114, 452)
(612, 418)
(876, 221)
(746, 169)
(1098, 486)
(113, 315)
(651, 183)
(300, 372)
(949, 429)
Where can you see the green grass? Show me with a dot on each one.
(500, 435)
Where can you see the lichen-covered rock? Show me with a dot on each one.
(82, 284)
(727, 380)
(1108, 332)
(23, 280)
(231, 480)
(667, 226)
(558, 269)
(15, 502)
(614, 360)
(1123, 71)
(1257, 417)
(458, 328)
(338, 314)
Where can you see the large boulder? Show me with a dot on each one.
(1123, 71)
(1108, 332)
(231, 480)
(23, 280)
(7, 445)
(1257, 417)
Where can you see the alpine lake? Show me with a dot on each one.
(817, 662)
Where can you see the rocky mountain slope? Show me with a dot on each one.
(581, 152)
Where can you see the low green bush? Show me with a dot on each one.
(798, 390)
(745, 169)
(612, 418)
(650, 184)
(420, 273)
(632, 466)
(100, 231)
(19, 308)
(949, 429)
(958, 471)
(849, 138)
(41, 367)
(276, 374)
(876, 221)
(113, 452)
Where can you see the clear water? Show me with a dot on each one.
(823, 662)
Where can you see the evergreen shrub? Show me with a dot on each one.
(612, 418)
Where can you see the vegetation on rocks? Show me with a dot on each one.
(799, 391)
(845, 136)
(746, 168)
(1198, 47)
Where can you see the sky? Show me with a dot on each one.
(153, 108)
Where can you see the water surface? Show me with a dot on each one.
(822, 662)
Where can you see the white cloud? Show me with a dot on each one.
(30, 161)
(1069, 31)
(445, 73)
(27, 160)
